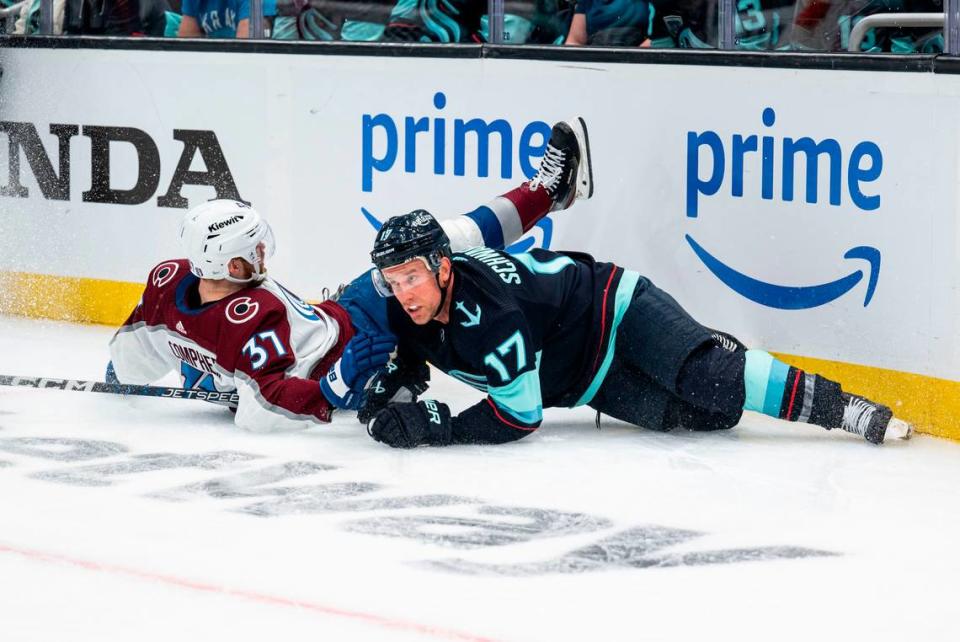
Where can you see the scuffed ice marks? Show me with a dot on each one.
(466, 532)
(631, 549)
(4, 464)
(99, 475)
(58, 449)
(329, 498)
(248, 483)
(299, 500)
(274, 490)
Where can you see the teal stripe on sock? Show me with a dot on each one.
(756, 377)
(777, 384)
(764, 380)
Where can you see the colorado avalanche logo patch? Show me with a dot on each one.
(242, 310)
(164, 273)
(302, 308)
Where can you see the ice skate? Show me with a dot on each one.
(872, 421)
(565, 171)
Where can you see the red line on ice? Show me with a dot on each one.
(253, 596)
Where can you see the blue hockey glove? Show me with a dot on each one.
(408, 425)
(363, 357)
(368, 310)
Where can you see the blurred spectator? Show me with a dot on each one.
(550, 21)
(428, 21)
(448, 21)
(29, 20)
(433, 21)
(825, 25)
(97, 17)
(614, 23)
(684, 24)
(326, 20)
(219, 18)
(9, 12)
(763, 24)
(537, 22)
(115, 17)
(694, 24)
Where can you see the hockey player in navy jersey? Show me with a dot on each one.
(560, 329)
(217, 318)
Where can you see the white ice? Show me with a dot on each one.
(114, 562)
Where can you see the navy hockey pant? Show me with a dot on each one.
(668, 370)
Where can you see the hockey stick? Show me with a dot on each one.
(120, 389)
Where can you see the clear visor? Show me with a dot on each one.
(259, 254)
(399, 281)
(380, 283)
(267, 245)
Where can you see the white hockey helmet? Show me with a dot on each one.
(217, 231)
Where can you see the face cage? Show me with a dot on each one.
(382, 286)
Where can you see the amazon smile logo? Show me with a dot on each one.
(863, 166)
(787, 297)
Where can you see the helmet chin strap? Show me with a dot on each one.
(443, 296)
(258, 278)
(255, 277)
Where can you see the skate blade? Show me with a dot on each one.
(585, 166)
(898, 429)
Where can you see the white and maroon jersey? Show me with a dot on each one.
(263, 341)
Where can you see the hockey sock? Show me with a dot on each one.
(764, 380)
(506, 218)
(530, 205)
(812, 399)
(780, 390)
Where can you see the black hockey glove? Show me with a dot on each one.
(395, 383)
(408, 425)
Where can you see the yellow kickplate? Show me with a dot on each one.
(931, 404)
(67, 298)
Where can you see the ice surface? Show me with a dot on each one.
(155, 519)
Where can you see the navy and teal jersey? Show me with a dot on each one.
(887, 39)
(535, 22)
(763, 24)
(693, 24)
(819, 26)
(618, 23)
(683, 24)
(533, 330)
(431, 21)
(497, 223)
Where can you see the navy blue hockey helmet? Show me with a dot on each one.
(405, 238)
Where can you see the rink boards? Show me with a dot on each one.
(809, 211)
